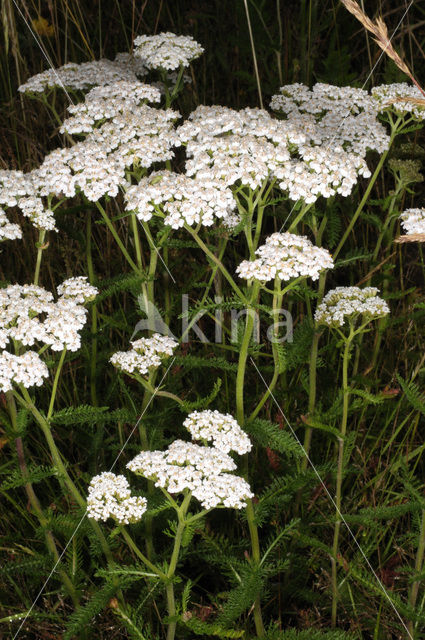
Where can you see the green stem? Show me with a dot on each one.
(26, 401)
(118, 240)
(313, 376)
(218, 262)
(35, 504)
(153, 262)
(55, 384)
(40, 248)
(149, 391)
(240, 416)
(277, 303)
(133, 546)
(207, 289)
(394, 133)
(176, 89)
(413, 595)
(135, 229)
(171, 605)
(340, 474)
(243, 354)
(299, 217)
(384, 228)
(93, 328)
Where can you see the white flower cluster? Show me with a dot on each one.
(85, 75)
(350, 302)
(228, 145)
(166, 50)
(122, 131)
(217, 121)
(145, 355)
(286, 256)
(18, 189)
(250, 146)
(413, 221)
(322, 172)
(400, 97)
(183, 199)
(106, 102)
(29, 315)
(27, 369)
(334, 116)
(14, 185)
(33, 208)
(8, 230)
(219, 428)
(77, 289)
(109, 496)
(201, 470)
(96, 166)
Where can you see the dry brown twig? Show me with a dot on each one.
(382, 39)
(411, 237)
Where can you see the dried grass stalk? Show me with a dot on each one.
(411, 237)
(382, 39)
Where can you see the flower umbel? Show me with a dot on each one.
(145, 355)
(201, 470)
(286, 256)
(219, 428)
(348, 303)
(110, 497)
(166, 50)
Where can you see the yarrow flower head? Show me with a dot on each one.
(97, 165)
(27, 369)
(78, 290)
(232, 146)
(413, 221)
(189, 467)
(286, 256)
(334, 116)
(167, 50)
(85, 75)
(349, 303)
(106, 102)
(220, 429)
(8, 230)
(28, 314)
(183, 199)
(401, 98)
(146, 354)
(18, 189)
(109, 496)
(250, 147)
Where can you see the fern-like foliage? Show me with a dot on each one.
(28, 566)
(298, 351)
(85, 414)
(188, 406)
(133, 623)
(333, 227)
(269, 434)
(206, 629)
(241, 598)
(97, 603)
(311, 634)
(195, 362)
(125, 282)
(35, 474)
(413, 395)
